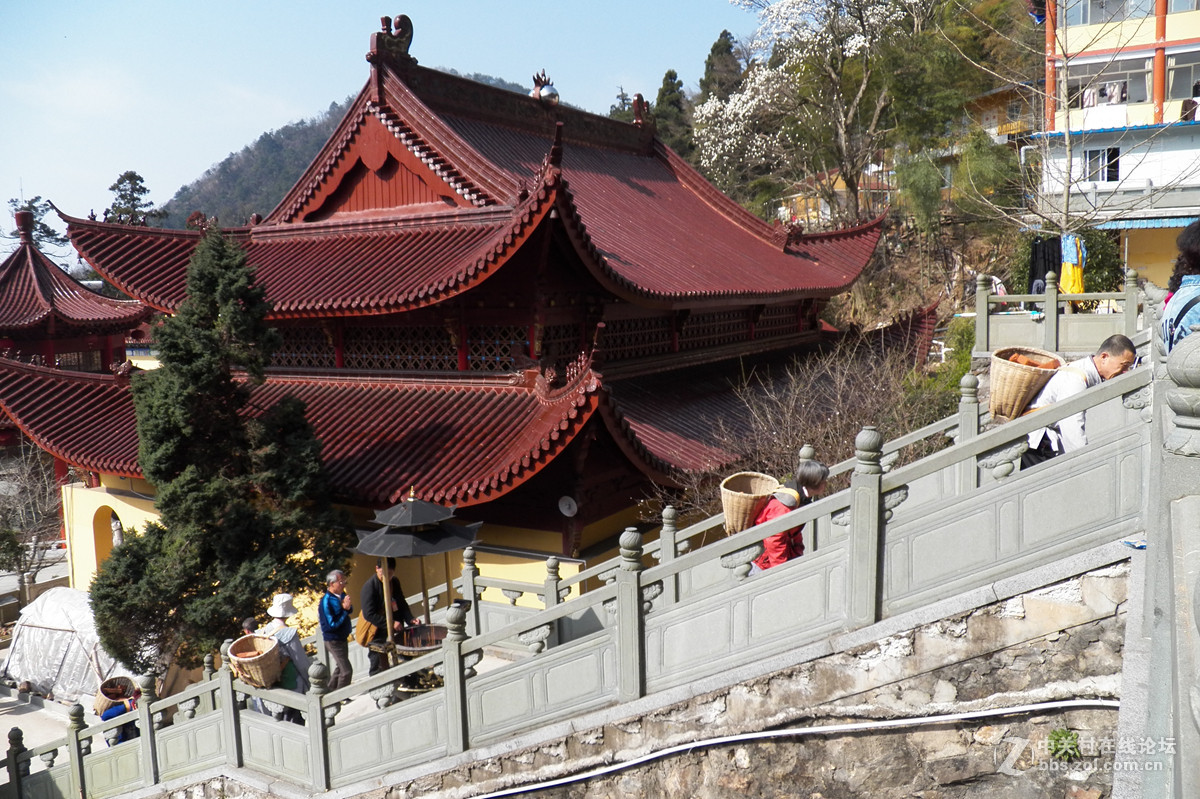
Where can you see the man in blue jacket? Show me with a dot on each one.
(334, 614)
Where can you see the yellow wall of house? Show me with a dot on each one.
(1182, 26)
(1151, 252)
(1109, 36)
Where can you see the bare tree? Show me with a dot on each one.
(30, 510)
(823, 400)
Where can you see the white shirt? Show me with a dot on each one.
(1069, 380)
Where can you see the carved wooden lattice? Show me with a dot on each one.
(416, 347)
(711, 329)
(304, 348)
(561, 341)
(777, 320)
(88, 361)
(490, 348)
(635, 338)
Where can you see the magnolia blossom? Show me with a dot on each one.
(851, 26)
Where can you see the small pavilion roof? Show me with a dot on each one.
(432, 182)
(37, 298)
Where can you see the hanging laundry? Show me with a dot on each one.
(1045, 256)
(1074, 258)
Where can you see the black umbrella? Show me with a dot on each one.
(413, 512)
(392, 541)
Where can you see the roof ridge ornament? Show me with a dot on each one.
(390, 46)
(543, 90)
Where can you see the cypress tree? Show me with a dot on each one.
(244, 504)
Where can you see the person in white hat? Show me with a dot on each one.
(296, 661)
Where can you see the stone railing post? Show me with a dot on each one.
(230, 709)
(317, 724)
(968, 428)
(668, 550)
(76, 748)
(1050, 321)
(454, 674)
(629, 627)
(550, 597)
(149, 723)
(16, 769)
(1173, 529)
(206, 704)
(469, 591)
(1131, 302)
(866, 527)
(983, 285)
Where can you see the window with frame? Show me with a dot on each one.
(1106, 82)
(1177, 6)
(1103, 164)
(1183, 73)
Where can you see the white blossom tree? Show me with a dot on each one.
(816, 105)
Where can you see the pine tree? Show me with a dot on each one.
(672, 115)
(44, 236)
(722, 70)
(130, 206)
(244, 503)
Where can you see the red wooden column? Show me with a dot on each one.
(1051, 104)
(1160, 59)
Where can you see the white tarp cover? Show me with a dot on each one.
(56, 649)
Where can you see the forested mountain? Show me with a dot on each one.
(255, 179)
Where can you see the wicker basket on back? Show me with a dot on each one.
(1018, 374)
(113, 691)
(256, 660)
(743, 495)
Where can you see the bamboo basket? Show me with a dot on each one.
(1014, 385)
(113, 691)
(256, 660)
(743, 495)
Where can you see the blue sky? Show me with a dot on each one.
(89, 89)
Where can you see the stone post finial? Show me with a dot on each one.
(631, 549)
(75, 716)
(552, 568)
(868, 451)
(318, 678)
(968, 389)
(807, 453)
(982, 283)
(456, 621)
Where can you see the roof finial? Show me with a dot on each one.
(544, 90)
(641, 109)
(25, 226)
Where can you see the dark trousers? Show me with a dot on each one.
(339, 654)
(377, 657)
(1043, 453)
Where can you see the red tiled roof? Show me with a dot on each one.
(459, 441)
(34, 293)
(658, 230)
(650, 228)
(321, 269)
(84, 419)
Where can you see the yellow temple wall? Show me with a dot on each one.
(509, 553)
(1151, 252)
(87, 516)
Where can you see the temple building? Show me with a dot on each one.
(523, 310)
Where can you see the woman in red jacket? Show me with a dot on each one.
(782, 547)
